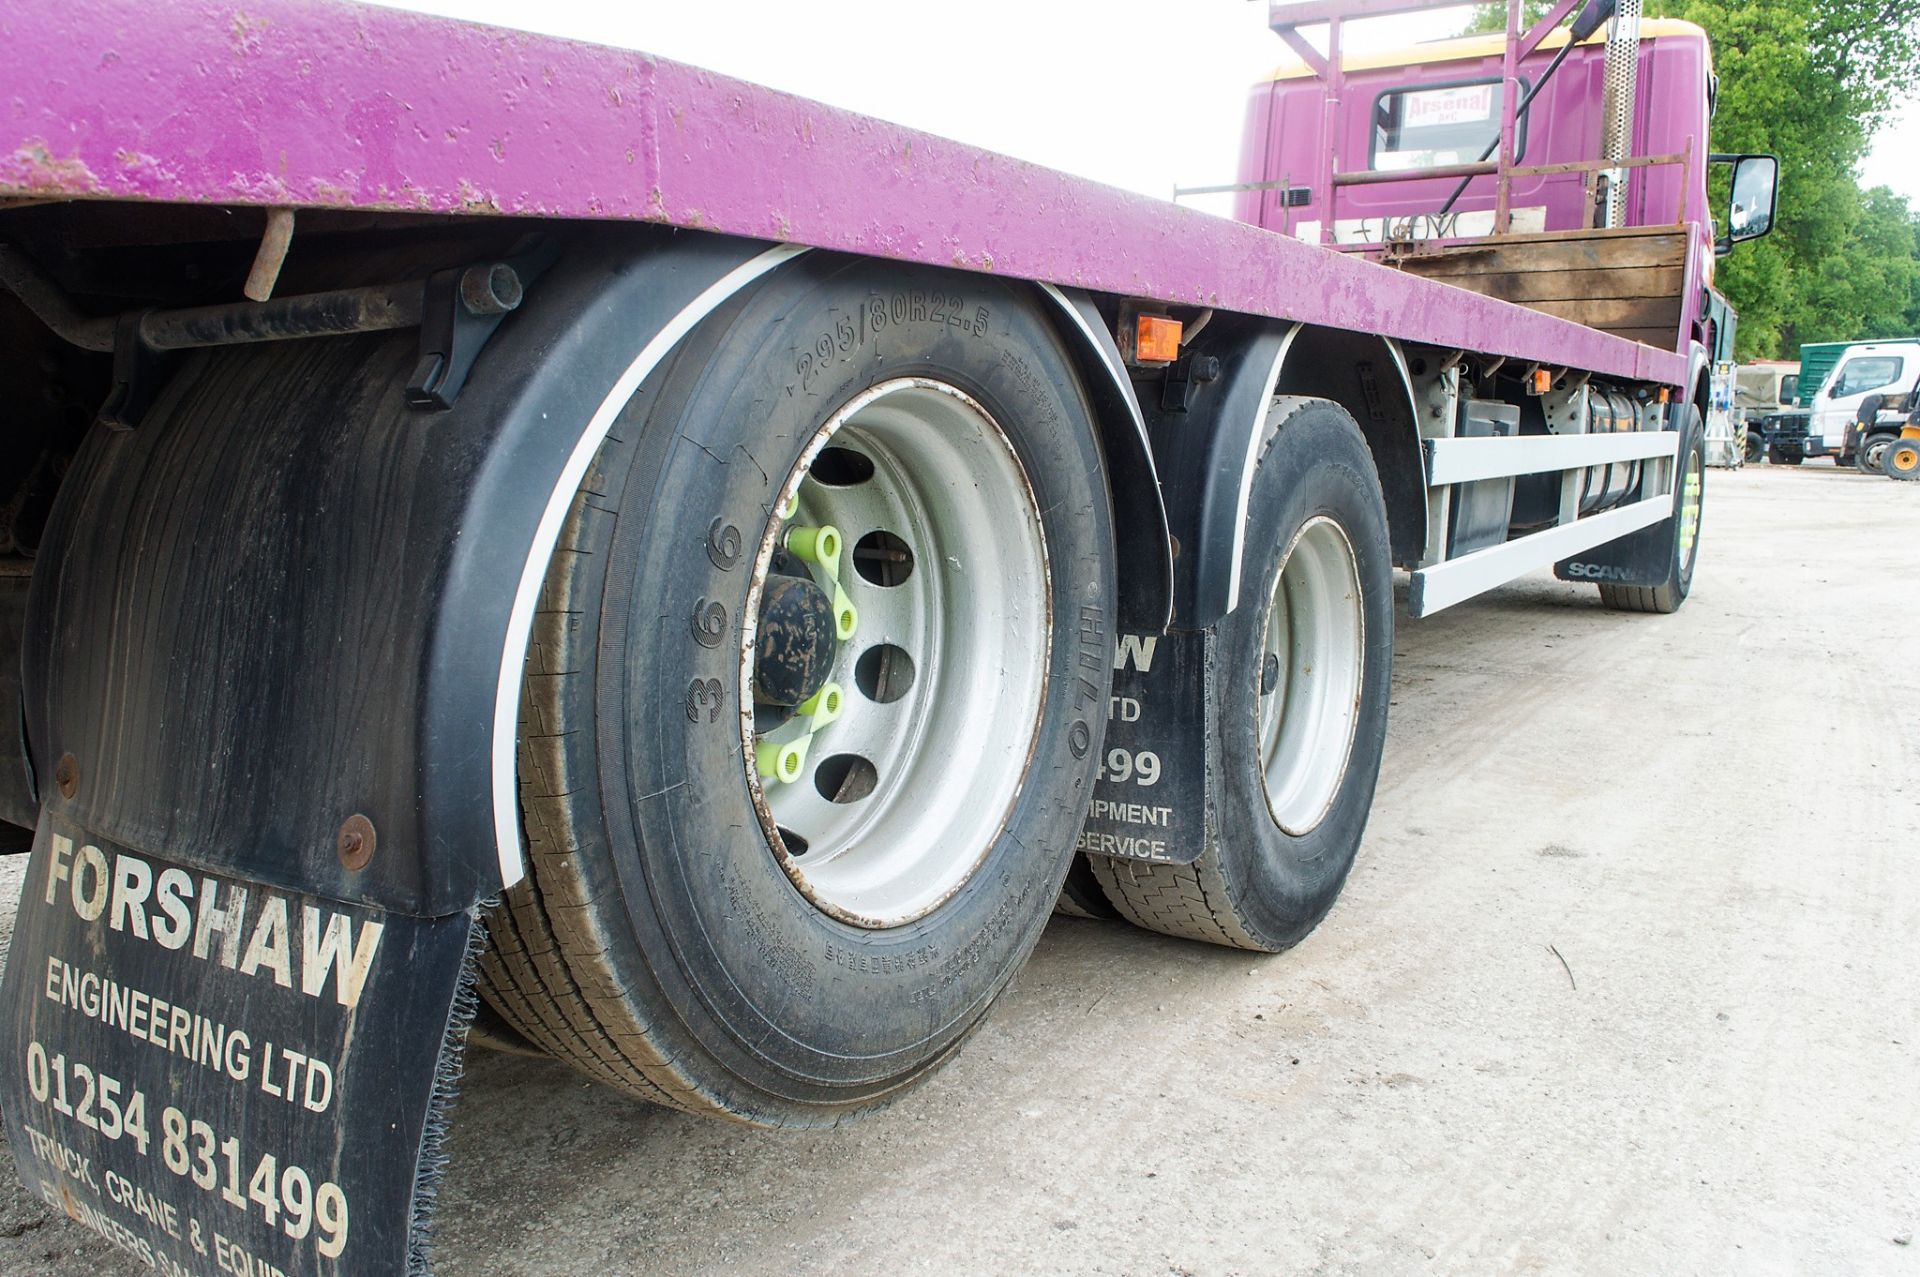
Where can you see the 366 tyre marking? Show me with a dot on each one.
(709, 622)
(704, 694)
(723, 545)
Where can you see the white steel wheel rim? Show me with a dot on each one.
(1313, 659)
(950, 750)
(1876, 452)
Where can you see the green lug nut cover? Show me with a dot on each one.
(782, 763)
(823, 706)
(818, 545)
(846, 617)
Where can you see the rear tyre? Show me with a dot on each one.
(1667, 596)
(1299, 717)
(1081, 896)
(1902, 460)
(814, 698)
(1756, 447)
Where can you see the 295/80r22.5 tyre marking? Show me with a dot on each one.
(660, 942)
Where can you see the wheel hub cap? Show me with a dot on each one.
(795, 650)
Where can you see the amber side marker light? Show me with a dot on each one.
(1542, 381)
(1157, 339)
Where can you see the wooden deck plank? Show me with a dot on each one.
(1540, 253)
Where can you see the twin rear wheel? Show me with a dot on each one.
(817, 688)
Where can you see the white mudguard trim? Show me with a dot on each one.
(1255, 437)
(1461, 460)
(506, 705)
(1102, 344)
(1099, 342)
(1445, 584)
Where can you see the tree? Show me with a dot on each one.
(1807, 80)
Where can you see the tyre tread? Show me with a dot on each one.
(1633, 598)
(544, 970)
(1187, 901)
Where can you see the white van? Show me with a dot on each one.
(1888, 368)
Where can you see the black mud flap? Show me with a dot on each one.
(1643, 557)
(1150, 799)
(268, 630)
(220, 1077)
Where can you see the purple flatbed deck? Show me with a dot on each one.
(342, 106)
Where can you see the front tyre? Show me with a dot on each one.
(814, 700)
(1684, 543)
(1299, 709)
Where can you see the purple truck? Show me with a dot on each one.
(518, 541)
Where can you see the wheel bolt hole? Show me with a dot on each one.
(882, 559)
(840, 468)
(845, 778)
(884, 673)
(794, 843)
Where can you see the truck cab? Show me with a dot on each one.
(1582, 199)
(1433, 107)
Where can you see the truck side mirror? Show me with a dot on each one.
(1754, 185)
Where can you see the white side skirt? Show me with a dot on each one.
(1448, 583)
(1464, 460)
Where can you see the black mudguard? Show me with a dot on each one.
(1641, 558)
(284, 599)
(266, 641)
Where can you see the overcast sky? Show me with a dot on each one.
(1144, 94)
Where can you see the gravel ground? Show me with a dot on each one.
(1624, 982)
